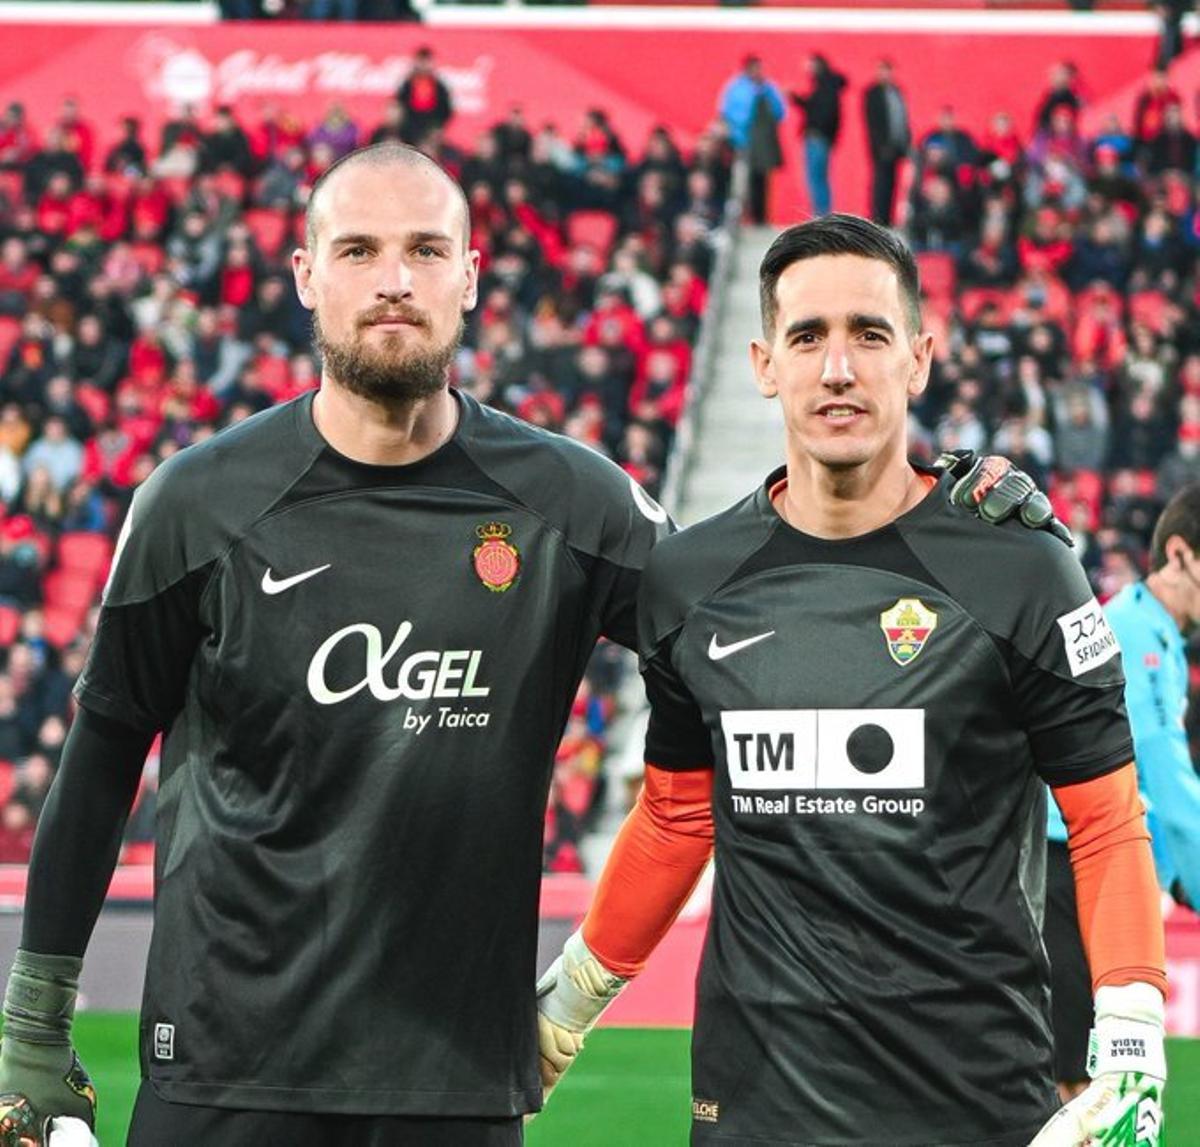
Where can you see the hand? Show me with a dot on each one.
(571, 995)
(1127, 1063)
(992, 487)
(40, 1074)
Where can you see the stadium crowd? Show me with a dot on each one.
(1059, 268)
(146, 302)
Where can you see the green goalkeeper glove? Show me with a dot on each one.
(40, 1074)
(992, 487)
(1127, 1062)
(571, 995)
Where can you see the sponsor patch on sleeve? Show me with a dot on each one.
(1087, 638)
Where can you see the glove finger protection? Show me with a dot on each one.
(571, 995)
(1122, 1107)
(40, 1074)
(992, 487)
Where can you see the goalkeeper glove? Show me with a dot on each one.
(571, 995)
(40, 1074)
(1127, 1062)
(68, 1132)
(995, 489)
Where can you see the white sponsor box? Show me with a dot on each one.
(799, 749)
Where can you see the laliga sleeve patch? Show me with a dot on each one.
(1087, 638)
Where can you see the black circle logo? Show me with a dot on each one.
(870, 748)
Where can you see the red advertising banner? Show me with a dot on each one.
(641, 76)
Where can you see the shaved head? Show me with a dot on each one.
(379, 155)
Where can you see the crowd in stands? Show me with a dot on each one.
(146, 302)
(1060, 269)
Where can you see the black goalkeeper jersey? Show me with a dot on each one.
(881, 712)
(363, 673)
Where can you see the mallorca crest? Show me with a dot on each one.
(497, 561)
(906, 628)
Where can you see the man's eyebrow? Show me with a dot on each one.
(861, 322)
(813, 326)
(353, 239)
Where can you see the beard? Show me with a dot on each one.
(389, 373)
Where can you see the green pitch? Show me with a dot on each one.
(630, 1087)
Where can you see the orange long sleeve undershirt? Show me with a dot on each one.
(1120, 915)
(656, 860)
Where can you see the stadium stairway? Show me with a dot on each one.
(737, 434)
(735, 439)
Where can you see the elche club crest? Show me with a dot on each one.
(906, 628)
(497, 561)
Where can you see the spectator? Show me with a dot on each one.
(76, 134)
(1170, 35)
(391, 128)
(821, 106)
(514, 143)
(56, 451)
(424, 97)
(128, 155)
(1173, 147)
(954, 142)
(20, 587)
(226, 147)
(40, 501)
(18, 144)
(1149, 114)
(337, 132)
(1099, 256)
(18, 273)
(96, 358)
(751, 107)
(1081, 428)
(1061, 93)
(889, 138)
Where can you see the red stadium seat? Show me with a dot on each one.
(8, 781)
(96, 404)
(230, 185)
(10, 334)
(85, 553)
(10, 625)
(177, 187)
(62, 625)
(70, 589)
(269, 226)
(939, 276)
(150, 256)
(597, 228)
(1150, 309)
(12, 185)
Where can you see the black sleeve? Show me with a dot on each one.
(149, 627)
(633, 524)
(676, 737)
(79, 833)
(1066, 672)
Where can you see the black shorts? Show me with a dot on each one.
(157, 1123)
(1070, 979)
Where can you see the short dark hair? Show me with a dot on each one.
(1181, 517)
(838, 234)
(382, 155)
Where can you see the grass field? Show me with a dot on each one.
(630, 1089)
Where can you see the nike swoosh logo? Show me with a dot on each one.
(717, 651)
(271, 585)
